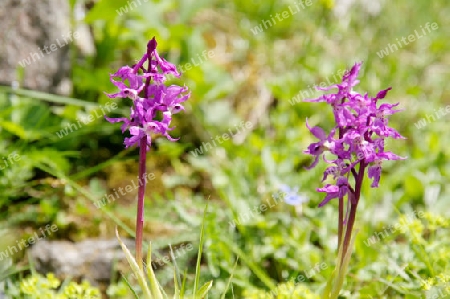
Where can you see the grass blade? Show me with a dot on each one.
(135, 267)
(343, 268)
(130, 287)
(177, 287)
(48, 97)
(199, 256)
(154, 285)
(183, 285)
(229, 280)
(176, 269)
(203, 291)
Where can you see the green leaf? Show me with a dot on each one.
(229, 280)
(177, 274)
(203, 291)
(154, 285)
(136, 270)
(199, 255)
(177, 284)
(130, 287)
(14, 128)
(48, 97)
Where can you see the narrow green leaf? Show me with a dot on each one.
(183, 285)
(176, 269)
(14, 129)
(48, 97)
(177, 288)
(203, 291)
(130, 287)
(154, 285)
(200, 250)
(136, 270)
(229, 280)
(329, 286)
(343, 268)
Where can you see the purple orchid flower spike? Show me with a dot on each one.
(145, 87)
(149, 95)
(356, 142)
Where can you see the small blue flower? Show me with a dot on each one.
(291, 196)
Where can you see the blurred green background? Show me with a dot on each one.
(252, 78)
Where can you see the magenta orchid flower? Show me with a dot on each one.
(362, 126)
(356, 142)
(149, 95)
(317, 148)
(145, 87)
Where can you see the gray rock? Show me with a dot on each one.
(36, 35)
(90, 259)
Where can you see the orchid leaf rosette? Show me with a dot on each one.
(355, 144)
(153, 104)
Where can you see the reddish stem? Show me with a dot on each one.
(353, 206)
(341, 221)
(140, 207)
(341, 207)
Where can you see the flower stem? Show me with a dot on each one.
(151, 46)
(341, 221)
(351, 218)
(140, 207)
(341, 207)
(348, 233)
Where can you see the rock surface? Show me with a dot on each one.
(36, 36)
(90, 259)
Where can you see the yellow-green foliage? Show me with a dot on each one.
(283, 291)
(40, 287)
